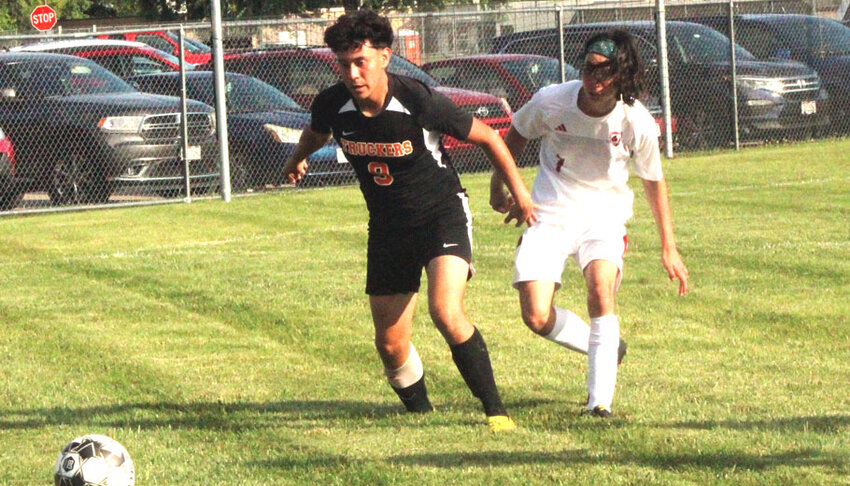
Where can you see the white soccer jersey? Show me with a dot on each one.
(584, 160)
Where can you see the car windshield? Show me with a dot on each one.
(193, 46)
(400, 65)
(822, 36)
(35, 79)
(701, 44)
(536, 73)
(244, 95)
(164, 55)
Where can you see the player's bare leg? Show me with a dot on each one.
(447, 277)
(553, 323)
(392, 316)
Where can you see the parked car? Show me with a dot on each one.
(123, 58)
(821, 43)
(80, 131)
(775, 98)
(196, 52)
(302, 73)
(12, 187)
(515, 77)
(263, 127)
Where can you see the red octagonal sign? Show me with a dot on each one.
(43, 17)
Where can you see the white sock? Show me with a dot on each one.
(408, 373)
(602, 360)
(570, 331)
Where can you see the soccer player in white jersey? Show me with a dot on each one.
(592, 130)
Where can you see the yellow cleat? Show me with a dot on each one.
(501, 423)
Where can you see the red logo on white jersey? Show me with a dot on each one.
(615, 138)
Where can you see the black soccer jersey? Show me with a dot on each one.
(397, 155)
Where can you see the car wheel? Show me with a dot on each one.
(10, 200)
(170, 193)
(78, 181)
(691, 131)
(240, 178)
(840, 110)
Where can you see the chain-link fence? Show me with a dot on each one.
(103, 123)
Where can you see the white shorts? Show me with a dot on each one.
(543, 249)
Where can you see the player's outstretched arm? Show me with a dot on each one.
(296, 165)
(659, 201)
(521, 208)
(500, 200)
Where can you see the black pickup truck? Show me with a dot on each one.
(79, 132)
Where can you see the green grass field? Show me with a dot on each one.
(232, 343)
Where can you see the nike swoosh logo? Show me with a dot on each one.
(449, 245)
(345, 134)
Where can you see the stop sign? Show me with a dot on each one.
(43, 17)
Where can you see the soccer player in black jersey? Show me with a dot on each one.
(389, 129)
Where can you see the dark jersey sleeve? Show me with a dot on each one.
(438, 113)
(320, 110)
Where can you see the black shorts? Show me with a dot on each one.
(396, 256)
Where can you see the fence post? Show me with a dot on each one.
(184, 116)
(561, 59)
(664, 75)
(220, 106)
(735, 127)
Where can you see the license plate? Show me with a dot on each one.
(809, 107)
(194, 152)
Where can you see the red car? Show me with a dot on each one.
(515, 77)
(11, 187)
(123, 58)
(302, 73)
(196, 52)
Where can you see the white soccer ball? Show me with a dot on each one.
(94, 460)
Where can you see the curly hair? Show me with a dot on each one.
(353, 30)
(628, 65)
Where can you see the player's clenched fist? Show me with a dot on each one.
(295, 172)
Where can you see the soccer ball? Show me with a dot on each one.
(94, 460)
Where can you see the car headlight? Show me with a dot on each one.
(766, 84)
(283, 134)
(122, 124)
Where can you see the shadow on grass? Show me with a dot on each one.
(818, 424)
(202, 415)
(235, 415)
(719, 461)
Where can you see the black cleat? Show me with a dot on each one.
(599, 411)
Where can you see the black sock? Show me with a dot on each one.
(415, 397)
(473, 361)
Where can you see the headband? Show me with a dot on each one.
(603, 47)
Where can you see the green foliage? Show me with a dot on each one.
(16, 15)
(232, 343)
